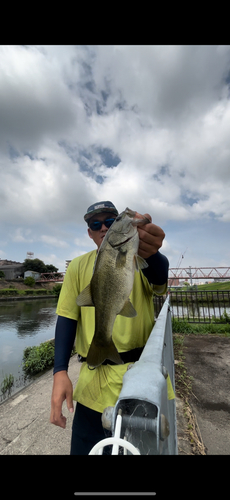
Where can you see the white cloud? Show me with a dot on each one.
(52, 258)
(19, 237)
(51, 240)
(163, 111)
(84, 241)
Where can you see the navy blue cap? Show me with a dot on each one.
(100, 206)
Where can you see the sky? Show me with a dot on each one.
(146, 127)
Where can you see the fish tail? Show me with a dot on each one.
(98, 353)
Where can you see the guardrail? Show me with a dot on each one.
(148, 420)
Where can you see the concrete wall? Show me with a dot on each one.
(12, 271)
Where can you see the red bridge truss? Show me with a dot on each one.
(51, 277)
(199, 273)
(183, 273)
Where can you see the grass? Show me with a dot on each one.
(184, 327)
(11, 292)
(183, 382)
(183, 386)
(221, 285)
(7, 383)
(38, 358)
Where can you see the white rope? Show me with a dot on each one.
(96, 450)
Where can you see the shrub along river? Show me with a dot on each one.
(23, 324)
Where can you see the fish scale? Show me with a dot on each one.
(112, 283)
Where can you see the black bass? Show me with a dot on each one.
(112, 283)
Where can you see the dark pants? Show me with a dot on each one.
(87, 430)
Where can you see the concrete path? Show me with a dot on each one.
(24, 420)
(25, 428)
(207, 359)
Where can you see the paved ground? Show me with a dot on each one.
(24, 420)
(208, 361)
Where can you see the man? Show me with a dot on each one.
(96, 389)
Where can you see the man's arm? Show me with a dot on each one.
(64, 339)
(157, 272)
(62, 386)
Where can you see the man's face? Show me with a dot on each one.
(97, 236)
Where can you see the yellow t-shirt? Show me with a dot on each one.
(101, 387)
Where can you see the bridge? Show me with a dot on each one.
(194, 273)
(56, 277)
(183, 273)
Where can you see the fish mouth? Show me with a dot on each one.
(122, 243)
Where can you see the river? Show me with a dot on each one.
(23, 324)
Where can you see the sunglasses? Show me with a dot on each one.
(97, 224)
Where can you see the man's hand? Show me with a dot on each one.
(62, 389)
(150, 236)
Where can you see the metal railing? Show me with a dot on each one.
(147, 416)
(201, 306)
(51, 277)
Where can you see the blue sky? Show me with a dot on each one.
(146, 127)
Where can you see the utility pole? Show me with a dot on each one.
(190, 275)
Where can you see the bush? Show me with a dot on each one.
(57, 289)
(28, 292)
(7, 383)
(41, 291)
(183, 327)
(29, 281)
(9, 291)
(2, 274)
(38, 358)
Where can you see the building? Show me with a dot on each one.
(173, 282)
(11, 269)
(67, 262)
(32, 274)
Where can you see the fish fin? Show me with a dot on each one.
(121, 258)
(128, 310)
(98, 353)
(85, 298)
(140, 263)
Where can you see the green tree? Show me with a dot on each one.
(51, 269)
(2, 274)
(34, 265)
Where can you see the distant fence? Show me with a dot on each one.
(198, 306)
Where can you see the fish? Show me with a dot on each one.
(111, 284)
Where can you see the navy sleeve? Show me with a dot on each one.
(157, 271)
(64, 340)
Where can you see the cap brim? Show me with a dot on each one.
(99, 211)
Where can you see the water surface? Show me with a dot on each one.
(23, 324)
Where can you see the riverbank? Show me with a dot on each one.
(27, 297)
(19, 284)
